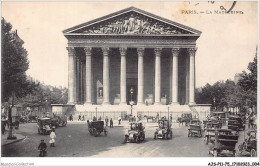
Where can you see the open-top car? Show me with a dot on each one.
(250, 144)
(44, 125)
(225, 140)
(195, 128)
(235, 123)
(95, 128)
(60, 120)
(164, 130)
(135, 132)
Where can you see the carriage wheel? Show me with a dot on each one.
(155, 136)
(125, 140)
(234, 153)
(215, 153)
(166, 136)
(200, 135)
(105, 132)
(253, 153)
(206, 140)
(189, 134)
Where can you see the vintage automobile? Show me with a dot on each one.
(235, 123)
(225, 140)
(250, 144)
(164, 130)
(185, 118)
(195, 128)
(209, 130)
(44, 125)
(60, 120)
(135, 132)
(95, 128)
(32, 118)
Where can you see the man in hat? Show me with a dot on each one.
(42, 147)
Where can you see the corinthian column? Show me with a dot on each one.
(157, 52)
(192, 52)
(175, 54)
(88, 76)
(123, 76)
(140, 52)
(71, 76)
(105, 76)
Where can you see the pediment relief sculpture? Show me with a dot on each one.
(133, 24)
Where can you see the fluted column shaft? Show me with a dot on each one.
(123, 76)
(106, 75)
(71, 75)
(140, 52)
(175, 54)
(157, 52)
(192, 52)
(88, 76)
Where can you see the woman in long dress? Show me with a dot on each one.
(52, 136)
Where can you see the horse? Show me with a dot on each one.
(149, 117)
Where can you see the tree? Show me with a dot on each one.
(248, 83)
(14, 65)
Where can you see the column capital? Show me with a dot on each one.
(122, 51)
(157, 51)
(105, 51)
(140, 51)
(87, 51)
(175, 51)
(71, 50)
(192, 51)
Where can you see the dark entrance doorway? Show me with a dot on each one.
(131, 84)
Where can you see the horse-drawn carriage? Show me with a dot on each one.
(195, 128)
(250, 144)
(164, 130)
(95, 128)
(185, 118)
(135, 133)
(225, 140)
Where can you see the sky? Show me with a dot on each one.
(226, 46)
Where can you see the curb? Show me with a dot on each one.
(15, 141)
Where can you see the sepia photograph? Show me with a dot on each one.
(129, 79)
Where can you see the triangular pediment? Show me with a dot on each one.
(131, 21)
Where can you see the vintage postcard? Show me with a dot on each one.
(146, 80)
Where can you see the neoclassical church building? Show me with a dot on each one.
(132, 58)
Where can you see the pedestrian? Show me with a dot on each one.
(106, 120)
(52, 136)
(94, 118)
(111, 123)
(79, 118)
(3, 127)
(42, 148)
(119, 120)
(83, 118)
(134, 119)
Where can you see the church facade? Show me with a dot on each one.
(131, 57)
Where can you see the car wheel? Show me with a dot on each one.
(155, 137)
(215, 153)
(125, 140)
(253, 153)
(143, 137)
(166, 136)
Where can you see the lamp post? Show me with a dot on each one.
(214, 101)
(96, 112)
(131, 103)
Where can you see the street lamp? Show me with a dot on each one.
(131, 103)
(131, 93)
(214, 101)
